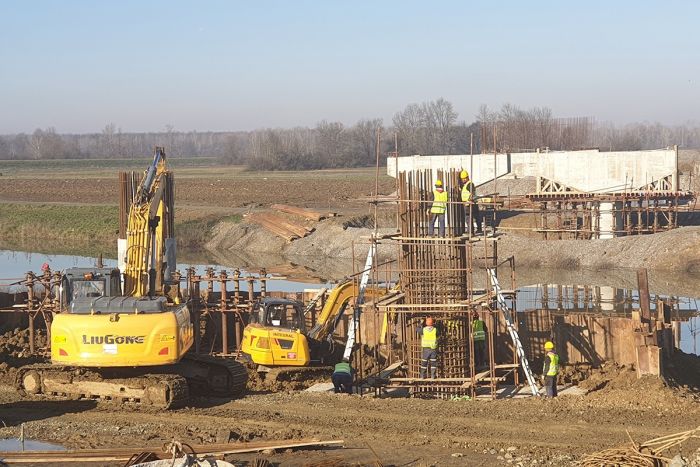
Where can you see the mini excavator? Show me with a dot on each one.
(276, 338)
(124, 335)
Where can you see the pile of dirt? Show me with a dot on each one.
(611, 376)
(14, 349)
(621, 382)
(675, 250)
(332, 238)
(285, 380)
(682, 371)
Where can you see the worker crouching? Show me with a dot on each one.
(342, 377)
(550, 369)
(428, 343)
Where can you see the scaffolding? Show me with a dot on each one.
(445, 278)
(573, 215)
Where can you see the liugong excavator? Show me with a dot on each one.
(131, 345)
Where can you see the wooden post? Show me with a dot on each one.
(643, 285)
(224, 317)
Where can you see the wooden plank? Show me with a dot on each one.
(303, 212)
(121, 454)
(386, 372)
(644, 302)
(272, 226)
(507, 365)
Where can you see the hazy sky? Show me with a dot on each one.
(237, 65)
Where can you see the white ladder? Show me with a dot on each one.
(513, 332)
(355, 320)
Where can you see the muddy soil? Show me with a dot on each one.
(328, 191)
(400, 431)
(673, 258)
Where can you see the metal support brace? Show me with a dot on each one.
(513, 332)
(355, 320)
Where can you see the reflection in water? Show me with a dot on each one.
(613, 302)
(14, 265)
(15, 445)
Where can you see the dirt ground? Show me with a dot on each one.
(213, 187)
(395, 430)
(400, 431)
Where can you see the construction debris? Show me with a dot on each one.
(301, 212)
(280, 226)
(125, 454)
(647, 454)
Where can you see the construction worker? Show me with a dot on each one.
(479, 334)
(438, 209)
(468, 194)
(551, 369)
(428, 343)
(342, 377)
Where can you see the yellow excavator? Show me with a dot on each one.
(276, 336)
(127, 337)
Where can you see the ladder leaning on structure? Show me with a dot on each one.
(355, 320)
(513, 332)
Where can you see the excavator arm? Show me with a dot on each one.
(335, 306)
(150, 231)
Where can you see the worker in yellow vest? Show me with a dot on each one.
(428, 343)
(438, 209)
(468, 195)
(551, 369)
(479, 335)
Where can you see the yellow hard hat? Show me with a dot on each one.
(464, 174)
(438, 183)
(549, 345)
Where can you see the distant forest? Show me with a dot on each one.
(428, 128)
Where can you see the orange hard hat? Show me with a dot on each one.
(429, 321)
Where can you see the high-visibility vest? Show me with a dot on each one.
(342, 367)
(429, 338)
(467, 191)
(478, 330)
(439, 202)
(553, 364)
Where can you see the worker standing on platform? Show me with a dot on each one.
(468, 194)
(428, 343)
(550, 370)
(438, 209)
(342, 377)
(479, 335)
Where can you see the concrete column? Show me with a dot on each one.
(607, 298)
(606, 220)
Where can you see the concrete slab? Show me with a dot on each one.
(320, 387)
(587, 171)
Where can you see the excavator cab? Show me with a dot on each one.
(83, 285)
(276, 334)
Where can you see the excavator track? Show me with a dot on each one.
(214, 376)
(294, 373)
(46, 381)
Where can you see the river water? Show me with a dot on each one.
(14, 265)
(601, 299)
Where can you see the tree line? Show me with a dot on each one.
(432, 127)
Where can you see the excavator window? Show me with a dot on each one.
(92, 289)
(283, 316)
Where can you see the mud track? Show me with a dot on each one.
(400, 431)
